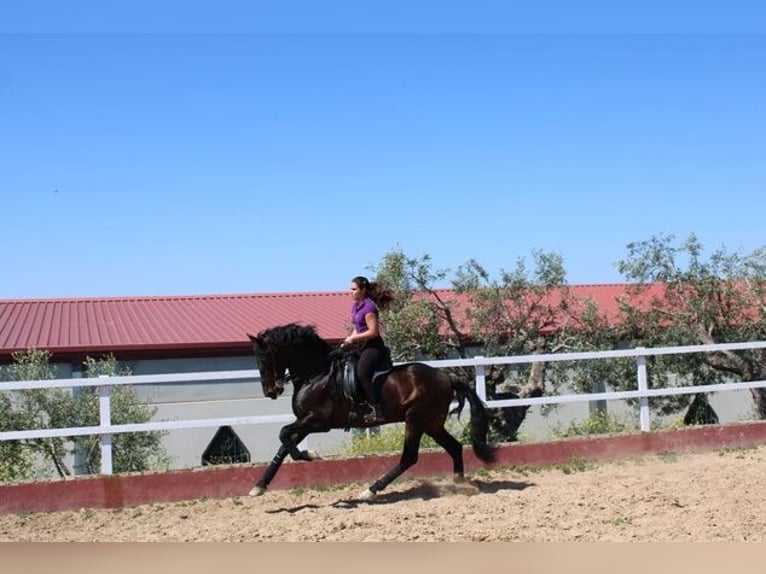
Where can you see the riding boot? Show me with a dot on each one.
(376, 415)
(377, 411)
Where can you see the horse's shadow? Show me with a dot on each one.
(422, 490)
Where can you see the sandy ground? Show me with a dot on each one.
(712, 496)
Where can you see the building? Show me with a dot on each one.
(184, 334)
(175, 334)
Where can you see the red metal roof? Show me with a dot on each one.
(144, 324)
(149, 326)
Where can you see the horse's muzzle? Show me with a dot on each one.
(276, 391)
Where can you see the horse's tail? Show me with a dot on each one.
(479, 420)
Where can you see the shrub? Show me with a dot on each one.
(598, 422)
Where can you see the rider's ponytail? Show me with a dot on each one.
(383, 297)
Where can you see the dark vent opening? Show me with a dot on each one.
(225, 448)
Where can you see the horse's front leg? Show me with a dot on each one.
(290, 436)
(270, 472)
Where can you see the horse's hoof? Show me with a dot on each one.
(257, 490)
(313, 455)
(367, 494)
(458, 478)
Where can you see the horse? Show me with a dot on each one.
(414, 393)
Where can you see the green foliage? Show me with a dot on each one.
(620, 521)
(38, 409)
(738, 451)
(385, 440)
(575, 465)
(390, 439)
(413, 324)
(596, 423)
(668, 456)
(520, 302)
(677, 296)
(704, 300)
(131, 452)
(31, 365)
(15, 460)
(63, 408)
(518, 313)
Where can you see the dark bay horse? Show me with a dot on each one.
(414, 393)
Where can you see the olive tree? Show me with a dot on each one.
(63, 408)
(131, 452)
(674, 296)
(682, 297)
(36, 409)
(15, 460)
(524, 311)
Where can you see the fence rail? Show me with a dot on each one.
(105, 429)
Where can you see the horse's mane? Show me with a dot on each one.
(295, 334)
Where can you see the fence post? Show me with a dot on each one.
(481, 380)
(105, 419)
(643, 385)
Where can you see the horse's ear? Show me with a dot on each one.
(257, 342)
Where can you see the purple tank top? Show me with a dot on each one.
(359, 311)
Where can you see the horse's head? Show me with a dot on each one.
(270, 366)
(292, 347)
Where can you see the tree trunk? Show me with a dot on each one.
(505, 422)
(49, 449)
(759, 397)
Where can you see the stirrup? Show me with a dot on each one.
(376, 415)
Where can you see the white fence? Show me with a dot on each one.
(105, 429)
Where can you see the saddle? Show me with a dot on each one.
(345, 377)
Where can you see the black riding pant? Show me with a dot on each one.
(369, 357)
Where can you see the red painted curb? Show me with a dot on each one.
(223, 482)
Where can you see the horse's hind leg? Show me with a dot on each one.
(409, 457)
(453, 447)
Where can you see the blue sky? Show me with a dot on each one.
(287, 153)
